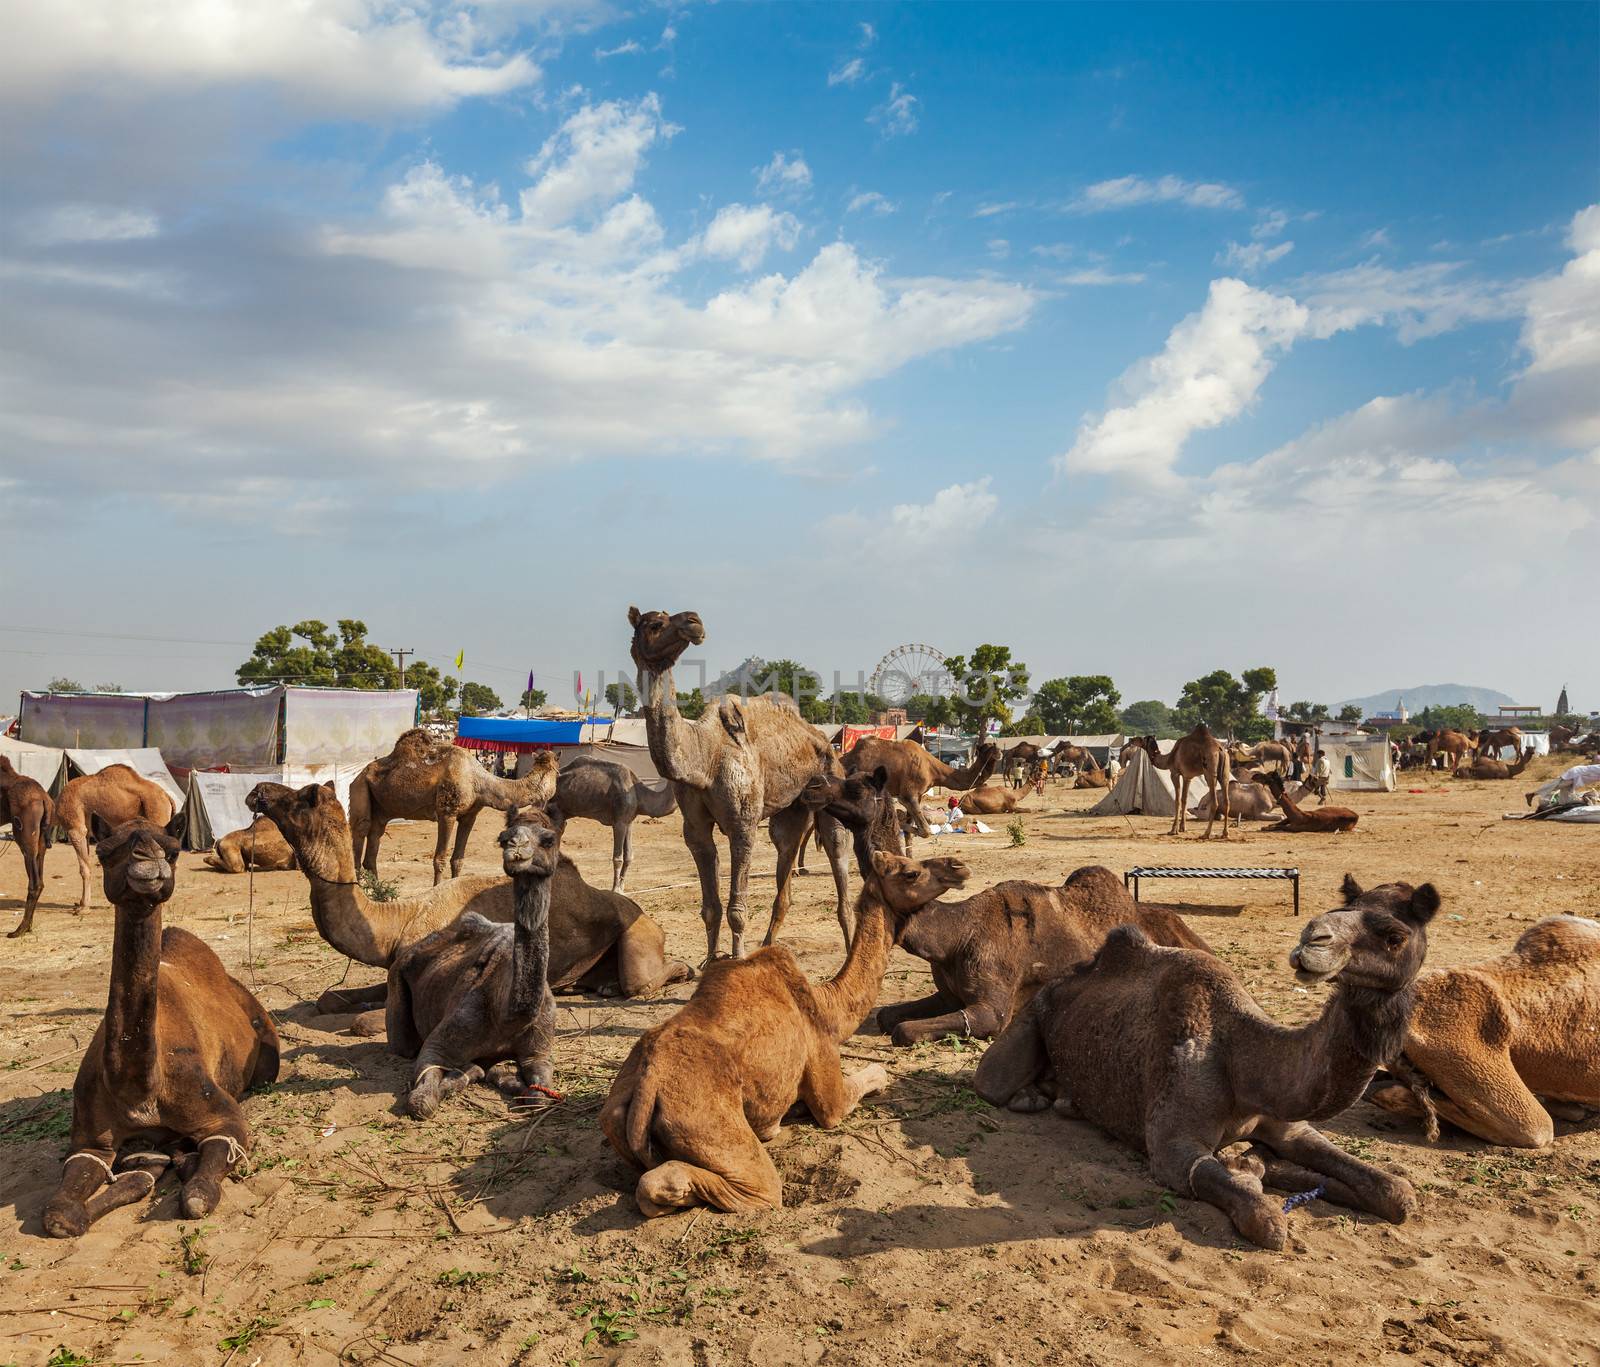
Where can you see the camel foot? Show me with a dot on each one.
(370, 1025)
(665, 1190)
(65, 1219)
(873, 1078)
(20, 930)
(1029, 1101)
(200, 1197)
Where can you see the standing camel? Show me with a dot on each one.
(912, 771)
(1454, 746)
(1491, 741)
(742, 762)
(27, 807)
(116, 795)
(612, 794)
(424, 779)
(1197, 755)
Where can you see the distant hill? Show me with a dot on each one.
(1431, 695)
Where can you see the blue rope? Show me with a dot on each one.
(1303, 1198)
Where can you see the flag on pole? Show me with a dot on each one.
(460, 656)
(577, 690)
(530, 681)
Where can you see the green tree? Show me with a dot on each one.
(692, 704)
(792, 678)
(477, 698)
(345, 660)
(622, 697)
(1079, 705)
(62, 684)
(435, 691)
(1450, 717)
(533, 699)
(1152, 717)
(1311, 712)
(1227, 705)
(1350, 712)
(987, 684)
(934, 709)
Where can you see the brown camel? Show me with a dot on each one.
(260, 845)
(1250, 800)
(701, 1094)
(1166, 1050)
(992, 952)
(1487, 769)
(1197, 755)
(1453, 746)
(180, 1043)
(1492, 740)
(1268, 752)
(116, 795)
(611, 793)
(26, 807)
(913, 771)
(1303, 820)
(1508, 1041)
(744, 761)
(427, 779)
(992, 799)
(1091, 775)
(599, 941)
(473, 1000)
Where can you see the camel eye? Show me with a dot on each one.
(1395, 941)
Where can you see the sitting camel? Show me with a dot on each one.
(1497, 1039)
(992, 799)
(181, 1042)
(612, 794)
(26, 807)
(473, 999)
(1166, 1050)
(427, 779)
(1306, 821)
(992, 952)
(1091, 775)
(599, 941)
(260, 845)
(1250, 800)
(1487, 769)
(116, 794)
(700, 1094)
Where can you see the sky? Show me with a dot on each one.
(1146, 340)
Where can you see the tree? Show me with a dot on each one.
(1450, 717)
(1079, 705)
(347, 660)
(1350, 712)
(1152, 717)
(986, 686)
(435, 691)
(533, 699)
(477, 698)
(789, 677)
(1311, 712)
(932, 708)
(692, 704)
(622, 696)
(108, 688)
(62, 684)
(1227, 705)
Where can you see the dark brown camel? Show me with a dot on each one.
(1302, 820)
(181, 1042)
(1165, 1049)
(27, 808)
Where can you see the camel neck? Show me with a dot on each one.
(132, 1058)
(676, 745)
(1317, 1070)
(530, 953)
(846, 999)
(505, 793)
(369, 932)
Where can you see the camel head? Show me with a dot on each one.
(304, 815)
(140, 860)
(854, 801)
(1377, 940)
(908, 885)
(659, 638)
(530, 845)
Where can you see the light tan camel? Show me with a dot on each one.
(1508, 1041)
(611, 793)
(1267, 753)
(260, 845)
(28, 810)
(1165, 1049)
(743, 762)
(1454, 746)
(1488, 769)
(992, 799)
(427, 779)
(701, 1094)
(180, 1043)
(116, 795)
(1249, 800)
(600, 941)
(1197, 755)
(1492, 740)
(913, 771)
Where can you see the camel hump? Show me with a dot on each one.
(1455, 999)
(1126, 949)
(1559, 940)
(1092, 877)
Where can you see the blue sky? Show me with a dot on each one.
(1147, 340)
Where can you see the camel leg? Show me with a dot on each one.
(458, 856)
(787, 828)
(642, 963)
(32, 845)
(1483, 1095)
(1187, 1164)
(831, 838)
(700, 837)
(1368, 1188)
(86, 1170)
(399, 1022)
(937, 1004)
(829, 1095)
(79, 841)
(752, 1183)
(220, 1147)
(981, 1020)
(621, 853)
(740, 848)
(338, 1001)
(1011, 1069)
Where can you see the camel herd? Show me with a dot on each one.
(1098, 1007)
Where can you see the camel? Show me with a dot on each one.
(913, 771)
(1197, 755)
(1492, 740)
(992, 952)
(180, 1043)
(992, 799)
(1166, 1050)
(1487, 769)
(1268, 752)
(473, 1000)
(1091, 776)
(260, 845)
(1307, 821)
(116, 794)
(26, 807)
(1453, 746)
(744, 760)
(1506, 1042)
(1250, 800)
(701, 1094)
(610, 793)
(599, 941)
(426, 779)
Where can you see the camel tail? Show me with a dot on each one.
(641, 1112)
(47, 826)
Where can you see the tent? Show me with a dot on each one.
(1101, 747)
(145, 761)
(41, 763)
(1143, 789)
(215, 805)
(1360, 763)
(621, 739)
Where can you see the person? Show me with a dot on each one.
(1321, 772)
(1114, 766)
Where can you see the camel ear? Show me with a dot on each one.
(1424, 902)
(633, 617)
(178, 825)
(1349, 889)
(558, 818)
(310, 793)
(881, 863)
(880, 778)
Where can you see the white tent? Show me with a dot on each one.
(215, 805)
(1360, 763)
(1143, 789)
(41, 763)
(147, 762)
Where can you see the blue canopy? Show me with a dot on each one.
(491, 733)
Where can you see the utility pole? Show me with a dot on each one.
(400, 661)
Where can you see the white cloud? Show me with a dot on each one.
(953, 516)
(1250, 257)
(1561, 335)
(593, 158)
(1127, 192)
(621, 50)
(999, 248)
(1098, 275)
(1418, 301)
(870, 201)
(1270, 224)
(896, 116)
(1377, 239)
(991, 210)
(92, 223)
(869, 35)
(784, 175)
(745, 233)
(848, 73)
(1213, 364)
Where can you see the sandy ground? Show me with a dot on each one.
(928, 1228)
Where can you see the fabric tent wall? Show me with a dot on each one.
(1143, 788)
(87, 721)
(341, 726)
(215, 805)
(1360, 763)
(41, 763)
(238, 728)
(143, 761)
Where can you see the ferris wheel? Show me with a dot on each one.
(909, 671)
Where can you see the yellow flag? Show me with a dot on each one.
(460, 656)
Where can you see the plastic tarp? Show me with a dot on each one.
(143, 761)
(523, 733)
(238, 728)
(1362, 764)
(83, 721)
(215, 805)
(41, 763)
(334, 727)
(1143, 789)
